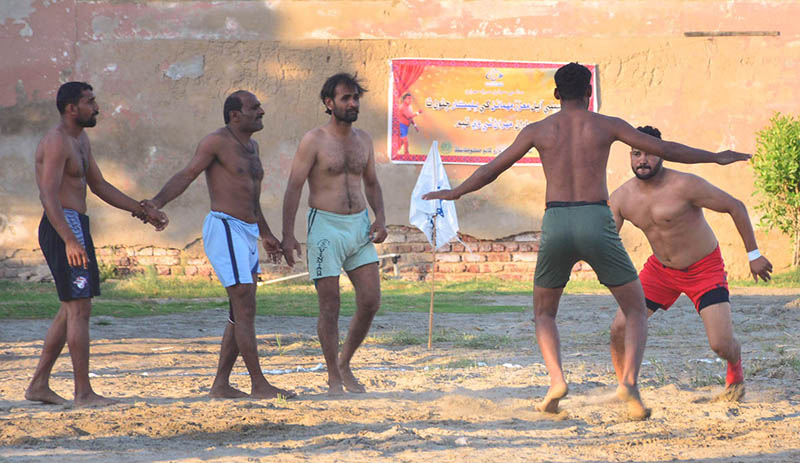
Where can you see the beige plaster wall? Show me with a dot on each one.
(161, 71)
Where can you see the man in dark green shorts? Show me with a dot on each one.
(574, 145)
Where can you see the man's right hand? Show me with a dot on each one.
(728, 157)
(76, 254)
(289, 245)
(447, 195)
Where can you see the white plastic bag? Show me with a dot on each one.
(433, 177)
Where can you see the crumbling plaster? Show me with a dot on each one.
(162, 69)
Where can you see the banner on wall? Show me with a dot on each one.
(475, 108)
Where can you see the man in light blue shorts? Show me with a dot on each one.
(231, 232)
(232, 248)
(336, 159)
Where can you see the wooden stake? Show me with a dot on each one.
(433, 278)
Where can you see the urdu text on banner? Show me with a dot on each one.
(475, 108)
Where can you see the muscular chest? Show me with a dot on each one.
(78, 159)
(244, 165)
(662, 213)
(350, 158)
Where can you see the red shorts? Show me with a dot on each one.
(705, 282)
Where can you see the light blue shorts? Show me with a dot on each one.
(338, 241)
(232, 248)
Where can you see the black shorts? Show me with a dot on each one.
(71, 282)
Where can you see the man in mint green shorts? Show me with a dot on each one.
(336, 159)
(574, 145)
(338, 241)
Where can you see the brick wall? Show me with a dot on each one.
(511, 258)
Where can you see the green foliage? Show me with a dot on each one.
(777, 168)
(106, 270)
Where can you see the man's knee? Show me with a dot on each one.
(618, 327)
(723, 347)
(78, 309)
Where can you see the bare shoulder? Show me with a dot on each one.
(688, 184)
(54, 143)
(363, 135)
(213, 141)
(623, 191)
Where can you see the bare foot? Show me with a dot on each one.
(271, 392)
(732, 393)
(349, 380)
(335, 389)
(636, 409)
(45, 395)
(550, 402)
(94, 400)
(226, 392)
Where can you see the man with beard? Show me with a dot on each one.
(335, 159)
(64, 168)
(667, 206)
(574, 145)
(231, 232)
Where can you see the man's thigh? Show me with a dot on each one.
(367, 282)
(718, 322)
(242, 298)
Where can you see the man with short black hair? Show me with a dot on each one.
(667, 206)
(335, 159)
(231, 232)
(64, 168)
(574, 145)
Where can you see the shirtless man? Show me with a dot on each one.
(667, 206)
(231, 231)
(578, 225)
(335, 159)
(64, 167)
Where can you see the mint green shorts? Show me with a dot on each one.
(581, 231)
(338, 241)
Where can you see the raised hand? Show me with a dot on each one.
(447, 195)
(761, 267)
(728, 157)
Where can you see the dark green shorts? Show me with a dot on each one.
(586, 232)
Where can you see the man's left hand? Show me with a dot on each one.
(760, 267)
(378, 232)
(273, 248)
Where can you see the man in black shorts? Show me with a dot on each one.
(64, 167)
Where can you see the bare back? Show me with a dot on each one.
(335, 177)
(574, 148)
(233, 176)
(666, 212)
(61, 155)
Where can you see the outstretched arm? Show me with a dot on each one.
(301, 166)
(487, 173)
(203, 157)
(111, 195)
(705, 195)
(372, 190)
(672, 151)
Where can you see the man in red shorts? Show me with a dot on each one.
(667, 206)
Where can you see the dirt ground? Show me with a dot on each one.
(469, 399)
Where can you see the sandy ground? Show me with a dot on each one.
(469, 399)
